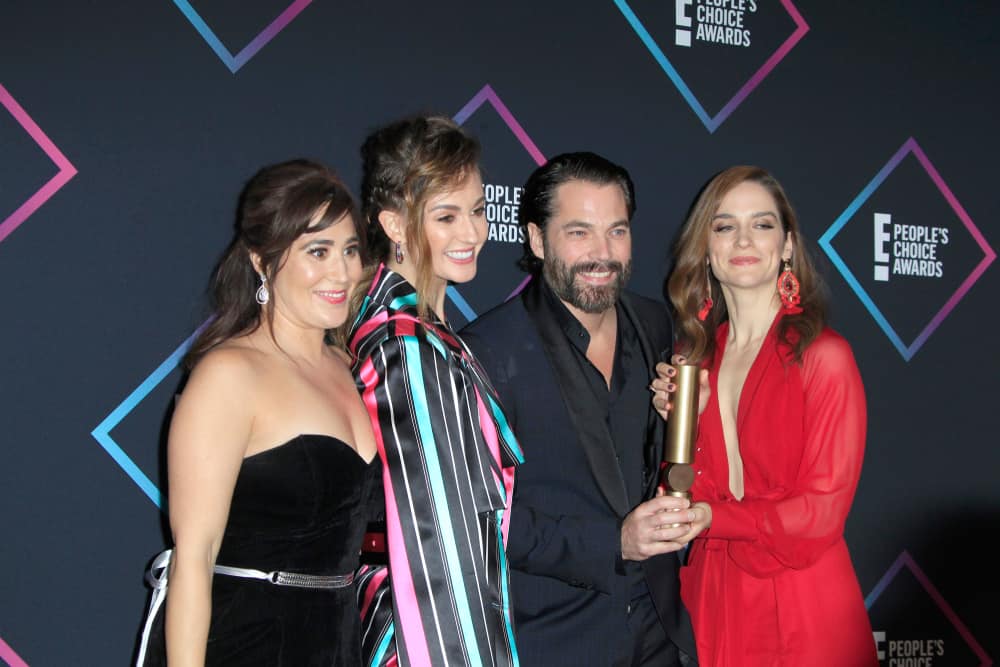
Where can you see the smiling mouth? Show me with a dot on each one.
(743, 261)
(333, 297)
(596, 276)
(597, 273)
(461, 256)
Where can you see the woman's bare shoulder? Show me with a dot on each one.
(232, 365)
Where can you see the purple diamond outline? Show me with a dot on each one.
(44, 193)
(905, 560)
(487, 94)
(234, 63)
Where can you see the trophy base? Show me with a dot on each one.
(677, 478)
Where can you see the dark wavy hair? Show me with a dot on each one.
(404, 164)
(691, 277)
(538, 198)
(277, 205)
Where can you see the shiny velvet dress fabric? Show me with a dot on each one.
(299, 507)
(771, 581)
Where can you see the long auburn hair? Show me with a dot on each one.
(277, 205)
(404, 164)
(691, 279)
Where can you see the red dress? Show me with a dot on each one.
(771, 581)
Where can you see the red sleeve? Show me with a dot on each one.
(795, 529)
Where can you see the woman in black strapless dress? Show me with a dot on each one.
(271, 457)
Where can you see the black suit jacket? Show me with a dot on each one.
(569, 591)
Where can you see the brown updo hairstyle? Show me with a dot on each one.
(691, 275)
(277, 205)
(404, 164)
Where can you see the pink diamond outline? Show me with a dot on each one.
(42, 195)
(8, 655)
(906, 560)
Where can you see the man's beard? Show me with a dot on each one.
(588, 298)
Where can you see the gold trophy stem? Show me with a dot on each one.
(682, 428)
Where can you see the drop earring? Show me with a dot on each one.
(788, 288)
(707, 303)
(262, 296)
(399, 253)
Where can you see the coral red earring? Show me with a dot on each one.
(707, 303)
(706, 308)
(788, 288)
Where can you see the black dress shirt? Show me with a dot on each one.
(625, 402)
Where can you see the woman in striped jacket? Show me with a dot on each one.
(448, 454)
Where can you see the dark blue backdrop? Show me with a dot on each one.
(127, 130)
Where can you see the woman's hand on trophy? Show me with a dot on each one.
(701, 519)
(663, 385)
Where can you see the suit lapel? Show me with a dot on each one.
(654, 424)
(580, 403)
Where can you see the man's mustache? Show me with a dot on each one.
(597, 267)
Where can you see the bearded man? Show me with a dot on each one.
(591, 544)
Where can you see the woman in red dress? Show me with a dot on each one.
(781, 438)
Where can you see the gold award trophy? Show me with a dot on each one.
(677, 475)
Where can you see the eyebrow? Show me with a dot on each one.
(455, 207)
(758, 214)
(327, 242)
(624, 222)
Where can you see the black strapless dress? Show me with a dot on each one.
(300, 507)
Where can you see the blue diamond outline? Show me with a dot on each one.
(102, 433)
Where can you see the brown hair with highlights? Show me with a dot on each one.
(406, 163)
(686, 287)
(277, 205)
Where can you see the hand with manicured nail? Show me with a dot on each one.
(664, 385)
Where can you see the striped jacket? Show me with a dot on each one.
(448, 459)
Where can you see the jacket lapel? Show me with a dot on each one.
(580, 404)
(655, 433)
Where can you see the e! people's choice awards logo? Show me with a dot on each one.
(914, 626)
(509, 156)
(502, 202)
(734, 44)
(713, 21)
(908, 248)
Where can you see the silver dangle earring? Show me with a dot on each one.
(399, 253)
(262, 296)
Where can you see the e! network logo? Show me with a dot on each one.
(235, 62)
(720, 38)
(914, 625)
(908, 240)
(42, 195)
